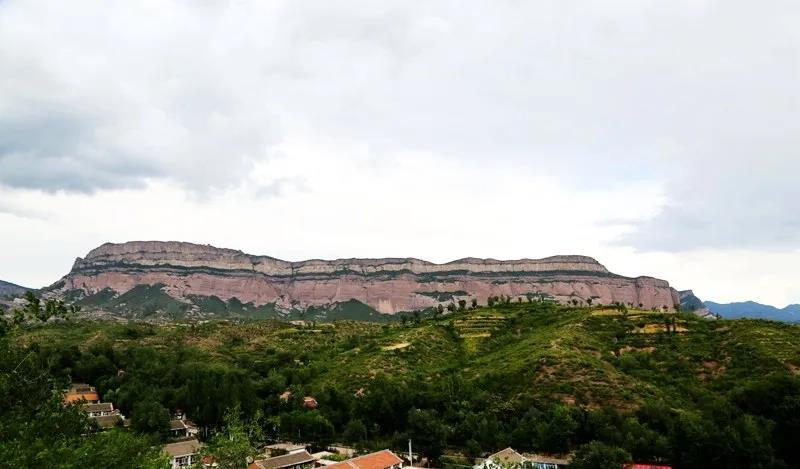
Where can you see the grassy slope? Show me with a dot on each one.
(581, 356)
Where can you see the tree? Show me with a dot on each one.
(117, 448)
(310, 426)
(490, 301)
(462, 305)
(598, 455)
(234, 445)
(149, 416)
(474, 303)
(440, 308)
(355, 431)
(428, 432)
(451, 307)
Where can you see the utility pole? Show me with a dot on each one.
(410, 454)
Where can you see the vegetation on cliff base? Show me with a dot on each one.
(660, 387)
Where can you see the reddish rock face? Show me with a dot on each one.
(387, 285)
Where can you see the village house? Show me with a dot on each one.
(103, 414)
(546, 462)
(501, 459)
(296, 460)
(100, 409)
(183, 453)
(180, 427)
(80, 391)
(380, 460)
(104, 422)
(510, 458)
(310, 403)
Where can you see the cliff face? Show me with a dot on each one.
(187, 271)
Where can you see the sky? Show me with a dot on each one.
(661, 138)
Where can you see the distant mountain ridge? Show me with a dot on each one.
(745, 309)
(9, 289)
(178, 279)
(751, 309)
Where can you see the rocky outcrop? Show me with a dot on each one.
(693, 304)
(186, 271)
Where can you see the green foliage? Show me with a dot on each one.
(598, 455)
(236, 442)
(38, 430)
(149, 416)
(663, 387)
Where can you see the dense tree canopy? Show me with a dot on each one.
(746, 417)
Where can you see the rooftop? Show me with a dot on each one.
(507, 456)
(182, 448)
(288, 447)
(108, 421)
(99, 407)
(176, 425)
(287, 460)
(379, 460)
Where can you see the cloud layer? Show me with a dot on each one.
(695, 100)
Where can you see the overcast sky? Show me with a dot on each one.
(662, 138)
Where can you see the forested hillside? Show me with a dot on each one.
(668, 388)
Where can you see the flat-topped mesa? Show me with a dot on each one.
(189, 272)
(188, 255)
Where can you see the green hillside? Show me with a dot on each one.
(664, 387)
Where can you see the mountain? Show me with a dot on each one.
(751, 309)
(691, 303)
(176, 279)
(9, 289)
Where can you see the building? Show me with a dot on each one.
(503, 458)
(296, 460)
(510, 458)
(183, 453)
(536, 461)
(182, 428)
(310, 403)
(80, 391)
(105, 422)
(100, 409)
(381, 460)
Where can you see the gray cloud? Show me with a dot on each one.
(698, 96)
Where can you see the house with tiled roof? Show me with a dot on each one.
(504, 458)
(104, 422)
(380, 460)
(181, 428)
(100, 409)
(183, 453)
(296, 460)
(510, 458)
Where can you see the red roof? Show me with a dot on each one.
(380, 460)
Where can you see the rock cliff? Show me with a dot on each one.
(191, 274)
